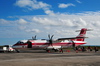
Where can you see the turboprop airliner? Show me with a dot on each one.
(50, 44)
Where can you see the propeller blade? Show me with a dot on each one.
(34, 38)
(52, 37)
(73, 44)
(49, 36)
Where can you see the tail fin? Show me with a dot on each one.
(82, 34)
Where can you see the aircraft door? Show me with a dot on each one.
(29, 44)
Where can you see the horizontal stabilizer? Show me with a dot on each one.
(84, 30)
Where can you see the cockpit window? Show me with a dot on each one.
(19, 42)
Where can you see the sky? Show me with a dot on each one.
(22, 19)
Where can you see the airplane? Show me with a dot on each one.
(50, 44)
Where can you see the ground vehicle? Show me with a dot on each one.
(6, 48)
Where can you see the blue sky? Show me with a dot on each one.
(22, 19)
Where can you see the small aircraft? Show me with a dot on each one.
(50, 44)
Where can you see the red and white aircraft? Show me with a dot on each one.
(52, 44)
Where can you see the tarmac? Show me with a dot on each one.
(41, 58)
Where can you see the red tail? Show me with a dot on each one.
(81, 34)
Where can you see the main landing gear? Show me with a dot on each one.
(53, 50)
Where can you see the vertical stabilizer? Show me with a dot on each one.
(81, 34)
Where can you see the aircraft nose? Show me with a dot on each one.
(14, 46)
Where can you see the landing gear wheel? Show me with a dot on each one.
(56, 50)
(48, 51)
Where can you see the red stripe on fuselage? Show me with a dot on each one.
(54, 44)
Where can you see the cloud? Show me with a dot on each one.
(58, 24)
(35, 5)
(97, 23)
(33, 30)
(22, 21)
(49, 12)
(3, 21)
(62, 5)
(78, 1)
(44, 21)
(32, 4)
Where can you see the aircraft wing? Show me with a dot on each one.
(71, 38)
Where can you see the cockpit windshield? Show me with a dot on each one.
(22, 42)
(19, 42)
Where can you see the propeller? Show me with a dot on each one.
(50, 39)
(73, 44)
(34, 38)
